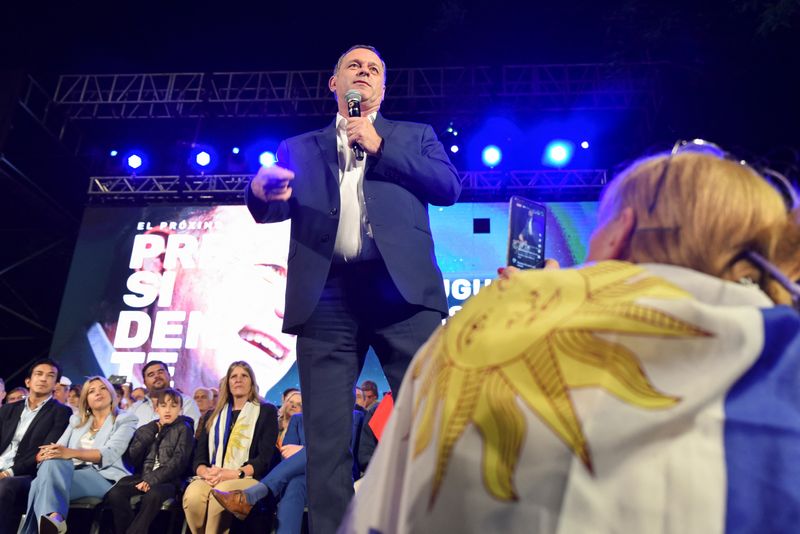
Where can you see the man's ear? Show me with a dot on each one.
(620, 231)
(28, 383)
(332, 84)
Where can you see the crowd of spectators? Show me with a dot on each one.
(137, 448)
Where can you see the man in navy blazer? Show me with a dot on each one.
(361, 270)
(36, 420)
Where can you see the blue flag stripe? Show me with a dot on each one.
(762, 434)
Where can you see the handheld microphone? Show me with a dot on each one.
(353, 99)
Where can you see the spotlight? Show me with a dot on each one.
(491, 156)
(557, 153)
(235, 150)
(113, 153)
(267, 159)
(134, 161)
(585, 144)
(203, 158)
(454, 149)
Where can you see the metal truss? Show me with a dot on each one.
(306, 93)
(536, 179)
(37, 103)
(230, 187)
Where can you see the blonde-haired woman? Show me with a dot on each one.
(86, 461)
(234, 450)
(654, 388)
(292, 404)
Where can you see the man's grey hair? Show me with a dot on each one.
(2, 385)
(356, 47)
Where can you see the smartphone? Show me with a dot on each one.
(117, 380)
(526, 233)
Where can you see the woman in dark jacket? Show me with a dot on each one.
(159, 455)
(235, 449)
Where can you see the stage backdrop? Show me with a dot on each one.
(201, 287)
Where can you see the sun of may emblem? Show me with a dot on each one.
(536, 337)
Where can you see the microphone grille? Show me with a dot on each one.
(352, 94)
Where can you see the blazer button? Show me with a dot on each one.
(325, 238)
(334, 211)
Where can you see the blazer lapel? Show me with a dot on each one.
(102, 435)
(39, 417)
(384, 129)
(326, 141)
(11, 424)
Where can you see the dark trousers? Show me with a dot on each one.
(119, 499)
(359, 307)
(13, 501)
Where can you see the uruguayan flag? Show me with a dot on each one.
(612, 398)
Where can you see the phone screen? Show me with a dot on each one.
(526, 227)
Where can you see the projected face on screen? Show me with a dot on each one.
(238, 285)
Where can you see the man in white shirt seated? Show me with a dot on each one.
(157, 378)
(24, 426)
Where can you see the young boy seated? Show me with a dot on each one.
(159, 455)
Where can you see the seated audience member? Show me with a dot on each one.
(16, 394)
(371, 395)
(61, 393)
(74, 397)
(286, 482)
(292, 404)
(359, 399)
(157, 378)
(138, 394)
(2, 391)
(234, 450)
(368, 441)
(119, 389)
(214, 396)
(85, 462)
(24, 427)
(653, 389)
(160, 454)
(204, 400)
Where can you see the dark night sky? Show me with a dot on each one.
(738, 58)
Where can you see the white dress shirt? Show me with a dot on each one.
(25, 420)
(354, 240)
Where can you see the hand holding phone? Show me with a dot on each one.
(526, 233)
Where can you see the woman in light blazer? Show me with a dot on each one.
(86, 461)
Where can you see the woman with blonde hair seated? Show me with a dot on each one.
(292, 404)
(85, 462)
(234, 450)
(653, 390)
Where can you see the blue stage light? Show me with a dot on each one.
(267, 159)
(203, 158)
(113, 153)
(454, 149)
(491, 155)
(134, 161)
(558, 153)
(235, 150)
(585, 144)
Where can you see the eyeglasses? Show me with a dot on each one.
(777, 180)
